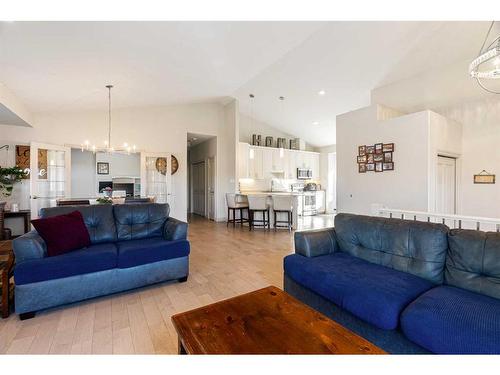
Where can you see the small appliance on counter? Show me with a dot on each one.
(311, 187)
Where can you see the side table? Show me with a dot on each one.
(6, 269)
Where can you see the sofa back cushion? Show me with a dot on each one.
(98, 219)
(473, 261)
(415, 247)
(136, 221)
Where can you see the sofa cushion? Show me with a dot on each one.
(473, 261)
(63, 233)
(87, 260)
(136, 221)
(415, 247)
(98, 219)
(136, 252)
(448, 320)
(373, 293)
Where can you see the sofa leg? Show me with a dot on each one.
(182, 279)
(27, 315)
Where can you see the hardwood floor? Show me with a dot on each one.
(224, 262)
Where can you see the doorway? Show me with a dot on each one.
(446, 185)
(198, 188)
(202, 175)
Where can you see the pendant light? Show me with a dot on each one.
(251, 154)
(108, 145)
(282, 103)
(486, 66)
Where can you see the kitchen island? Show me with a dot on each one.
(297, 203)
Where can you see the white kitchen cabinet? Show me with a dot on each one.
(255, 164)
(243, 158)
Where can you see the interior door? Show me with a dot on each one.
(211, 188)
(156, 181)
(50, 175)
(199, 188)
(446, 185)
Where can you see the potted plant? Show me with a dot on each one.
(8, 177)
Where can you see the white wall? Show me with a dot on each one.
(153, 129)
(406, 186)
(480, 121)
(83, 174)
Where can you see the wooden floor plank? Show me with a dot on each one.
(224, 262)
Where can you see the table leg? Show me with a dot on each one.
(181, 349)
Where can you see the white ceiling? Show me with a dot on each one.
(65, 65)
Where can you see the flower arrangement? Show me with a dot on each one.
(8, 177)
(104, 200)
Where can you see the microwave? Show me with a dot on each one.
(304, 174)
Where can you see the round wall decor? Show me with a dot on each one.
(175, 164)
(161, 165)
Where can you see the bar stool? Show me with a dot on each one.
(258, 204)
(283, 204)
(234, 204)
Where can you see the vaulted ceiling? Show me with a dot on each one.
(58, 66)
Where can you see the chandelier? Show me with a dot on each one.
(108, 146)
(486, 66)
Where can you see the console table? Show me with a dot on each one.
(6, 271)
(25, 214)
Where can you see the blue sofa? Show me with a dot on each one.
(132, 245)
(407, 286)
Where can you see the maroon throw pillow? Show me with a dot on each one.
(63, 233)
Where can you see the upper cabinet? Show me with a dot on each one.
(266, 162)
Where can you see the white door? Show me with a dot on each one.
(211, 188)
(446, 189)
(156, 181)
(50, 175)
(198, 181)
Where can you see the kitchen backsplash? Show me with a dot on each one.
(265, 184)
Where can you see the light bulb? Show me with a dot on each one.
(282, 152)
(321, 92)
(125, 145)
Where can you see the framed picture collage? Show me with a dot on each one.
(376, 158)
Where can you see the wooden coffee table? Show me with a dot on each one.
(266, 321)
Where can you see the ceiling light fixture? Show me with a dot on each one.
(486, 54)
(108, 147)
(282, 101)
(321, 92)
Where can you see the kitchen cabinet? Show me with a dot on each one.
(268, 163)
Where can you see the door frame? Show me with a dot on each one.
(458, 180)
(212, 160)
(34, 147)
(205, 183)
(167, 156)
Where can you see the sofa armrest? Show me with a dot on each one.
(316, 242)
(175, 230)
(29, 246)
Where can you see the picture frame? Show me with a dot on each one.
(362, 159)
(387, 157)
(361, 150)
(483, 178)
(362, 168)
(388, 166)
(378, 158)
(102, 168)
(370, 167)
(388, 147)
(378, 148)
(379, 167)
(370, 149)
(369, 159)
